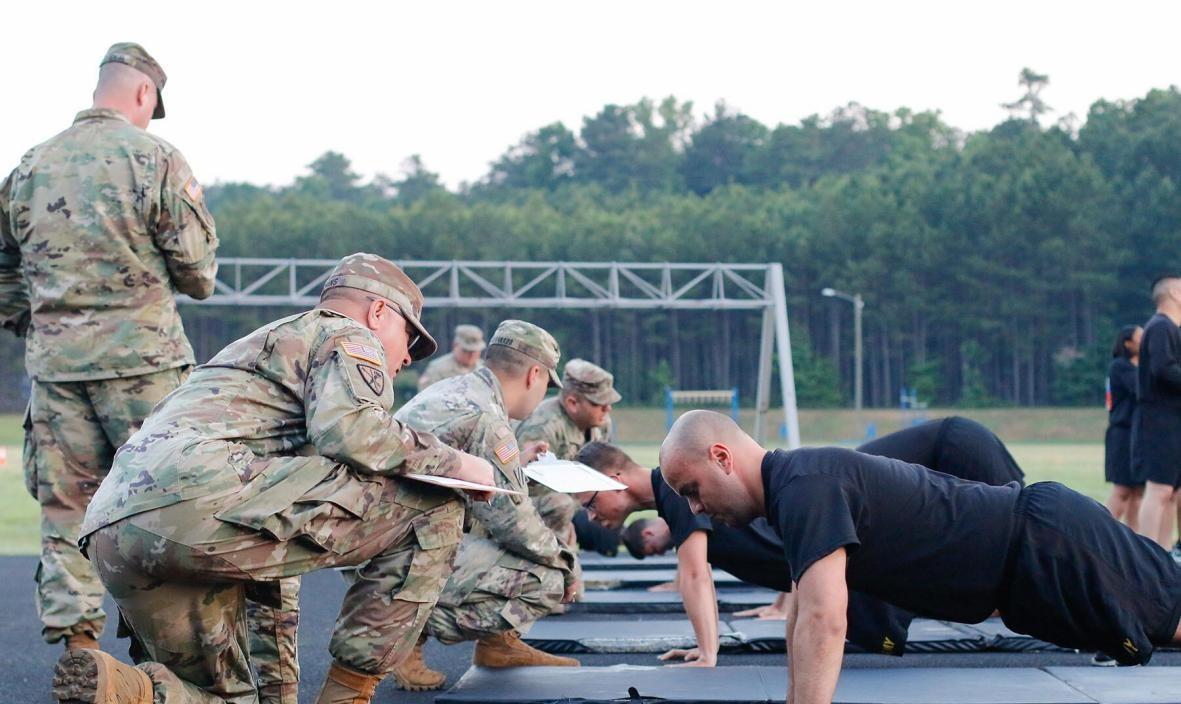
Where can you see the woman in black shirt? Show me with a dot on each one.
(1126, 489)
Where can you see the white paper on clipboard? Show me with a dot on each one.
(569, 477)
(460, 484)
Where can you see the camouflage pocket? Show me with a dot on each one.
(420, 496)
(437, 535)
(274, 489)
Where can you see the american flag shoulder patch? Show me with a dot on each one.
(362, 352)
(506, 450)
(193, 190)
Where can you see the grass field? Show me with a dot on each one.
(1063, 445)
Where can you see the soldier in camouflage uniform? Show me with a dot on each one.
(510, 570)
(579, 414)
(99, 228)
(278, 457)
(464, 357)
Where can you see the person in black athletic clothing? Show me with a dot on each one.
(954, 445)
(1126, 489)
(754, 553)
(1054, 563)
(1156, 443)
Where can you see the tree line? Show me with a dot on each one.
(995, 265)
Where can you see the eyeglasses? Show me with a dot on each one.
(590, 503)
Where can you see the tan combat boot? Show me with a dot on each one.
(93, 677)
(81, 641)
(347, 686)
(507, 650)
(413, 675)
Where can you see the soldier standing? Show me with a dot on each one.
(464, 357)
(99, 227)
(278, 457)
(511, 569)
(578, 415)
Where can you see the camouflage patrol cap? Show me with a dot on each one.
(590, 381)
(381, 277)
(531, 341)
(469, 338)
(139, 59)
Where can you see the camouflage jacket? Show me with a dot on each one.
(551, 424)
(467, 412)
(99, 226)
(443, 367)
(311, 384)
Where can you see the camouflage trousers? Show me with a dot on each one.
(491, 592)
(181, 578)
(72, 430)
(273, 641)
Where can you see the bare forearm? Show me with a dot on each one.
(701, 605)
(817, 648)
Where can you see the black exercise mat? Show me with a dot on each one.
(628, 579)
(1124, 685)
(624, 561)
(633, 636)
(1000, 638)
(639, 601)
(951, 685)
(924, 636)
(755, 685)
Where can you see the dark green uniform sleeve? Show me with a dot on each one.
(347, 402)
(14, 297)
(185, 233)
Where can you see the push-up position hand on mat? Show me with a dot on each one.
(1054, 563)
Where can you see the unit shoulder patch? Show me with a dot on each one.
(373, 377)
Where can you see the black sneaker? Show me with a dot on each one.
(1103, 660)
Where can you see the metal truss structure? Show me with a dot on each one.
(521, 284)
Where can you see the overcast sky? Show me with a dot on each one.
(256, 90)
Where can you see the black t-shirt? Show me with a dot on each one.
(919, 539)
(752, 553)
(1159, 373)
(1121, 384)
(957, 446)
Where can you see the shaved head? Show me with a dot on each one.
(126, 90)
(715, 465)
(1164, 288)
(121, 78)
(695, 431)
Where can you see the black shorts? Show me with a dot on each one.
(877, 626)
(1117, 461)
(1078, 578)
(1156, 452)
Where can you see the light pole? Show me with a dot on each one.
(858, 305)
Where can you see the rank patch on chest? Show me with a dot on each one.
(362, 352)
(506, 450)
(374, 378)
